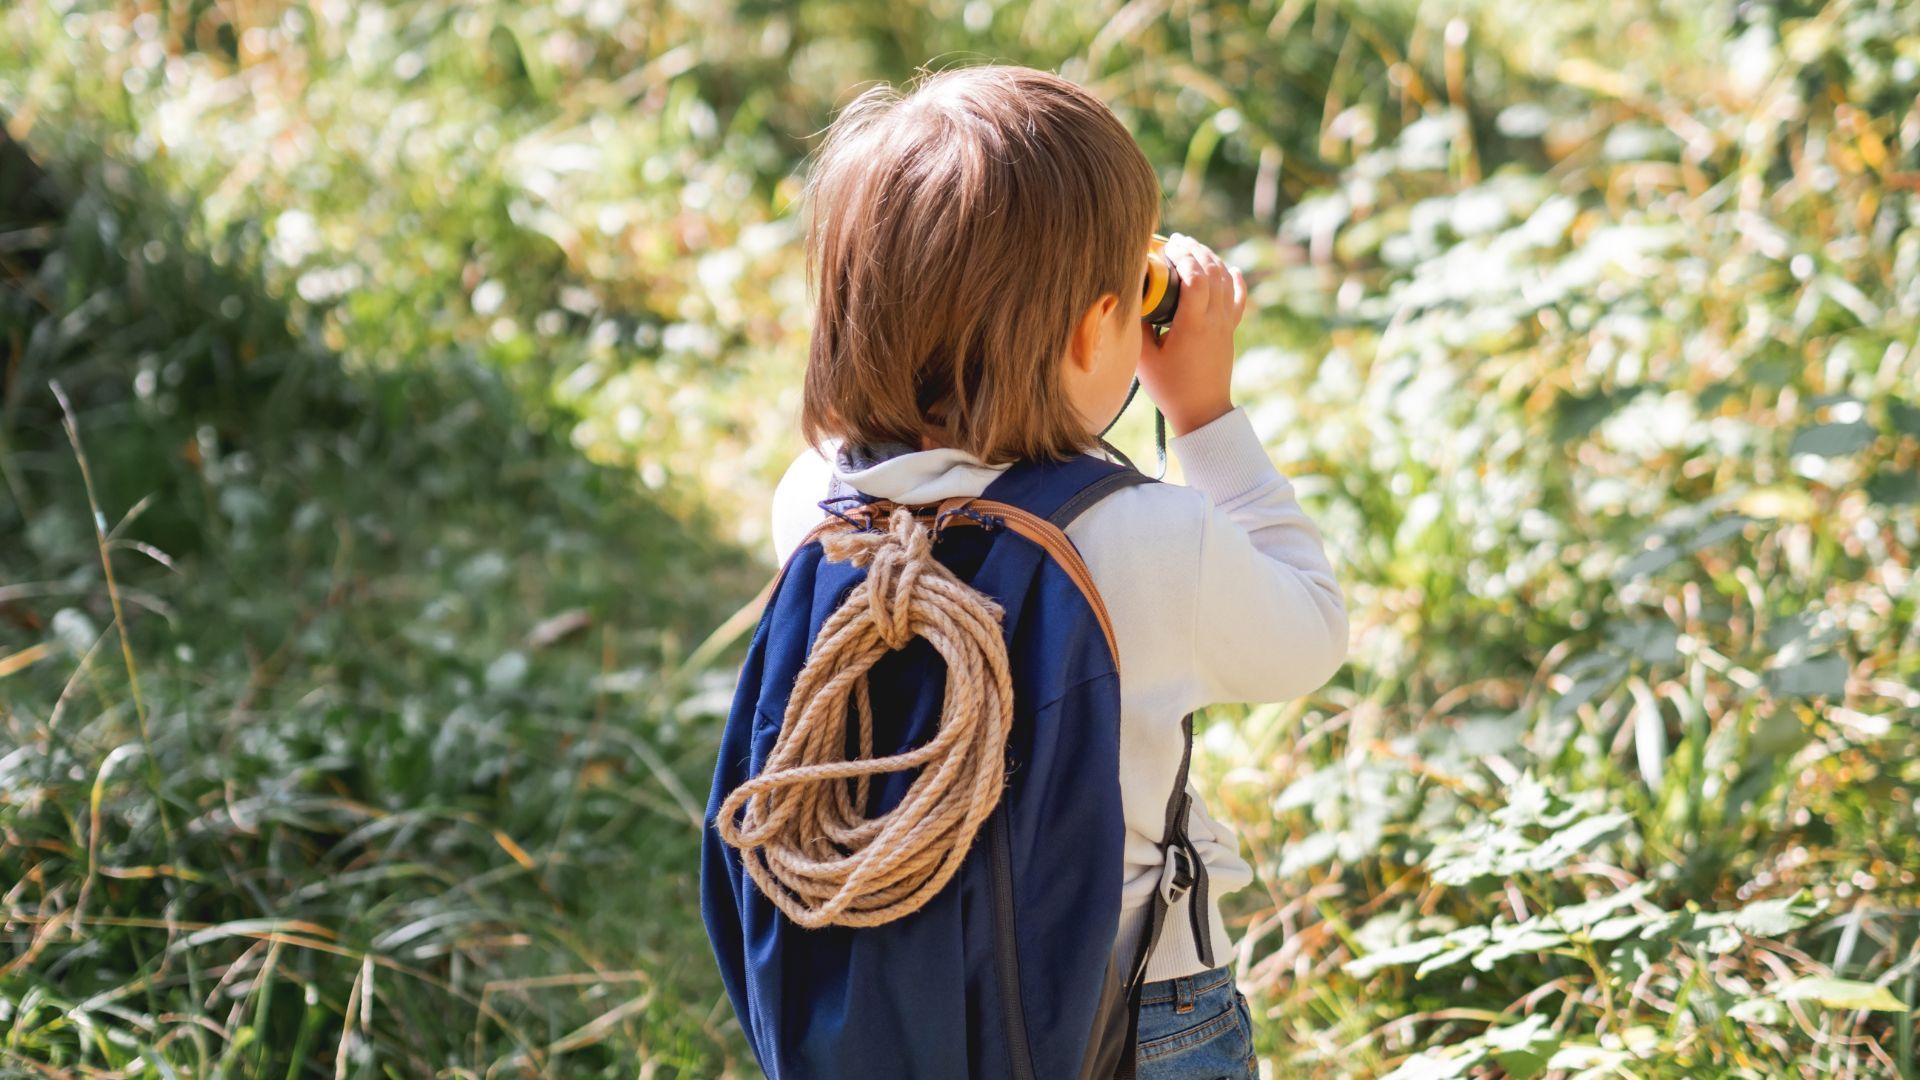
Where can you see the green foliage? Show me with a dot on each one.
(1586, 332)
(403, 716)
(1606, 456)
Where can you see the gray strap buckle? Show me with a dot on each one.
(1176, 873)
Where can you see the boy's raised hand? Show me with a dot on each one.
(1189, 372)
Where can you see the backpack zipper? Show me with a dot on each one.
(1007, 947)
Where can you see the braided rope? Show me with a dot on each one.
(803, 837)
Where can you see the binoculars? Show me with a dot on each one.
(1160, 293)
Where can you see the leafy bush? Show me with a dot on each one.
(1618, 458)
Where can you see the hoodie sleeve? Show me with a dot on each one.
(1268, 620)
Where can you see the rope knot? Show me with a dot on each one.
(896, 558)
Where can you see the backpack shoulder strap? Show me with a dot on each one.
(1184, 873)
(1093, 493)
(1112, 1047)
(1060, 490)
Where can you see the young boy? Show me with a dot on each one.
(978, 246)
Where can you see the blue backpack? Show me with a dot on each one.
(1009, 969)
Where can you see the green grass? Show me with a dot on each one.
(401, 732)
(1586, 333)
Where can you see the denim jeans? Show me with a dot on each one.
(1196, 1028)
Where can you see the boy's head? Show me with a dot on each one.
(977, 247)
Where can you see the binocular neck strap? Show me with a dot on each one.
(1159, 434)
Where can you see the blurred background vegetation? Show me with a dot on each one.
(393, 393)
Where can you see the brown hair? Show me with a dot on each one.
(955, 236)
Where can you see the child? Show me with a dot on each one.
(979, 246)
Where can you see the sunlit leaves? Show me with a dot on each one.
(1832, 440)
(1521, 1049)
(1840, 994)
(1536, 831)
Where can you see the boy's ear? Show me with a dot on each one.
(1084, 349)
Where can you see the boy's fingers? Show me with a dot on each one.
(1198, 275)
(1193, 289)
(1219, 284)
(1239, 290)
(1214, 267)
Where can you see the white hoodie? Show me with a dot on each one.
(1219, 591)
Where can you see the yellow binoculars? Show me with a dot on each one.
(1160, 293)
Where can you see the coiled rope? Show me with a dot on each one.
(803, 836)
